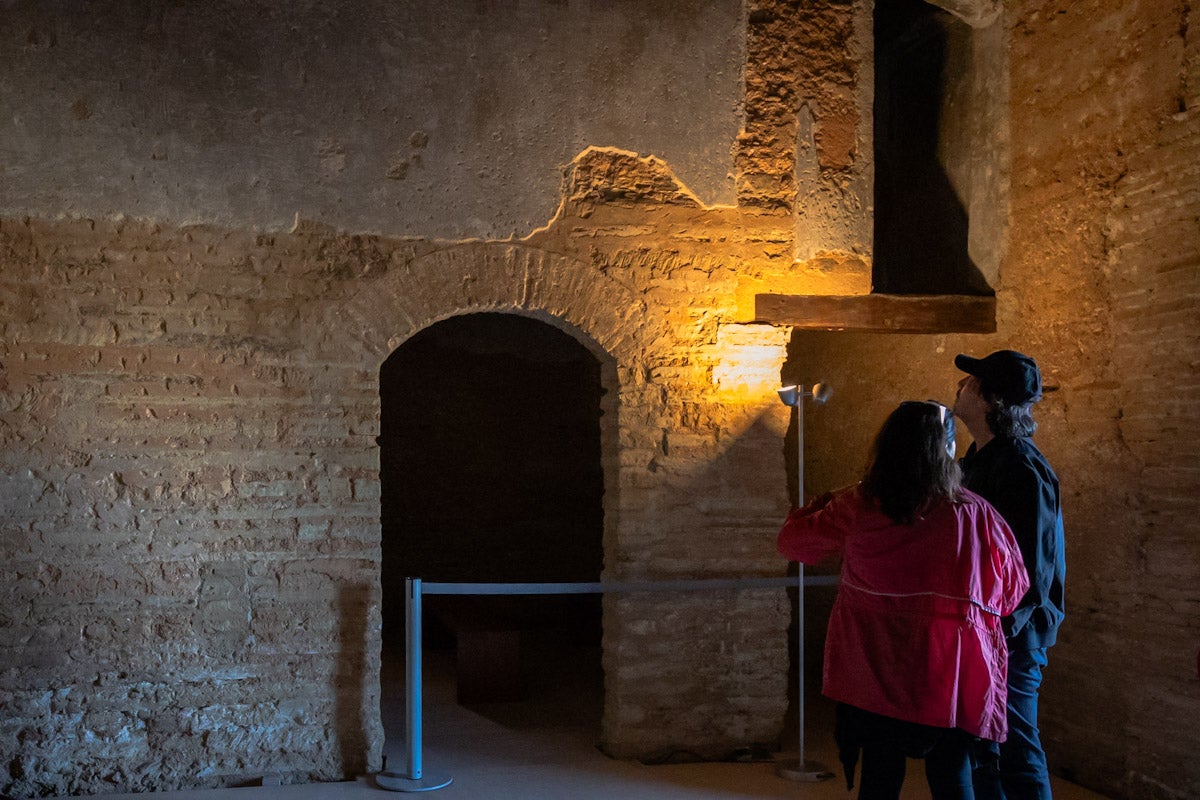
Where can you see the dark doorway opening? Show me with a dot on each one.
(491, 472)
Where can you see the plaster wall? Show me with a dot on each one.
(445, 120)
(975, 140)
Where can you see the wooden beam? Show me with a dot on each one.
(879, 313)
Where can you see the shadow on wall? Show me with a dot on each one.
(731, 505)
(348, 680)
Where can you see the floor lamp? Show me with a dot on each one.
(801, 769)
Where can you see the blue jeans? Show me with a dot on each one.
(1021, 772)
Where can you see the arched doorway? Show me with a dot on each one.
(490, 456)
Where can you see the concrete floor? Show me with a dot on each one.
(544, 749)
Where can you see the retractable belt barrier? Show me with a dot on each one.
(414, 780)
(609, 587)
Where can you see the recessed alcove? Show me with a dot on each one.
(938, 178)
(941, 166)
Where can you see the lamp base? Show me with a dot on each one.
(802, 771)
(402, 783)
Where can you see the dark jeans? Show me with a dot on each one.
(885, 744)
(947, 769)
(1021, 773)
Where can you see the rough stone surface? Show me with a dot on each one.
(189, 479)
(1100, 285)
(188, 525)
(807, 132)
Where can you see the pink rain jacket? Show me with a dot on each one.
(915, 631)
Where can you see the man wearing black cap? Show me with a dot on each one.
(995, 403)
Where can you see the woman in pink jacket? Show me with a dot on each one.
(915, 655)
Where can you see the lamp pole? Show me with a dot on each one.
(801, 769)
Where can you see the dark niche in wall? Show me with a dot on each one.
(490, 469)
(921, 224)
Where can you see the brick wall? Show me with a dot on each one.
(189, 514)
(1100, 285)
(191, 503)
(1148, 607)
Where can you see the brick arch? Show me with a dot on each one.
(603, 315)
(600, 312)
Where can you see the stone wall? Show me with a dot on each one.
(191, 505)
(189, 513)
(189, 391)
(189, 488)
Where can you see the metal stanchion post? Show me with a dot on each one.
(415, 780)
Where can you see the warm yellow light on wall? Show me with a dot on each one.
(748, 361)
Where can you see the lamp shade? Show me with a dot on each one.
(790, 395)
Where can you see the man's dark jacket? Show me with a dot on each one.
(1013, 475)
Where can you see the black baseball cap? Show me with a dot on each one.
(1011, 375)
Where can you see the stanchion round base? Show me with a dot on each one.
(802, 771)
(402, 783)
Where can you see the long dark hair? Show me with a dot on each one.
(912, 461)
